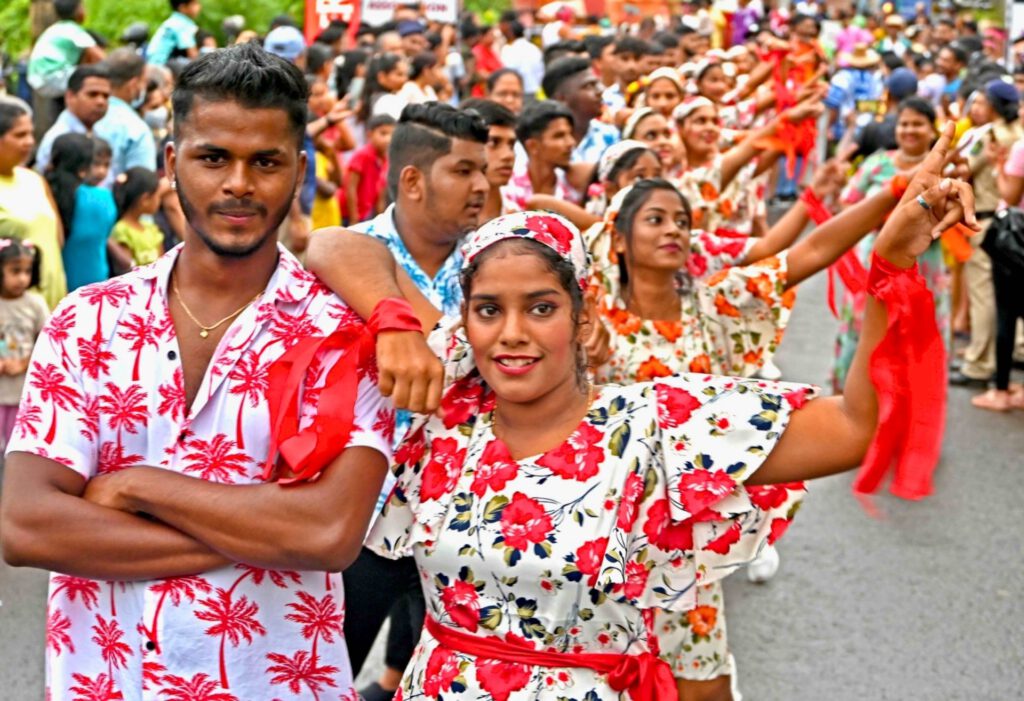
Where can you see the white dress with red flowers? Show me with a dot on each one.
(575, 549)
(730, 323)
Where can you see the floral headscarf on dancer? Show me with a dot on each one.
(547, 229)
(449, 339)
(610, 169)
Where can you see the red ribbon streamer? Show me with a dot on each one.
(646, 677)
(816, 209)
(851, 271)
(908, 370)
(309, 451)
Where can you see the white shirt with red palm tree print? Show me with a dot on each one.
(105, 392)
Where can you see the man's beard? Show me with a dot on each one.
(275, 219)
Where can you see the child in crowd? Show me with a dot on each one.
(87, 211)
(326, 207)
(137, 193)
(102, 155)
(367, 169)
(22, 315)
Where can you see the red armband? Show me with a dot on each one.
(816, 209)
(908, 371)
(393, 314)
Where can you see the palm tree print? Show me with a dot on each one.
(232, 620)
(113, 650)
(249, 378)
(57, 636)
(198, 688)
(216, 460)
(141, 332)
(54, 387)
(75, 587)
(172, 396)
(124, 409)
(319, 618)
(58, 330)
(301, 669)
(90, 418)
(113, 292)
(112, 458)
(177, 588)
(28, 416)
(99, 689)
(94, 358)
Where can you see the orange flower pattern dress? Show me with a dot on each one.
(574, 550)
(716, 207)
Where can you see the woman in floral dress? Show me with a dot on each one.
(551, 519)
(722, 317)
(657, 131)
(915, 132)
(716, 183)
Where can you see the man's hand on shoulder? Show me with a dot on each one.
(410, 373)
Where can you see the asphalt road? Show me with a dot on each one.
(924, 604)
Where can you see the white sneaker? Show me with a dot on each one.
(764, 566)
(769, 371)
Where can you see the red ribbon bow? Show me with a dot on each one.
(309, 451)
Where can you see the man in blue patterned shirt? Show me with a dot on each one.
(572, 81)
(436, 178)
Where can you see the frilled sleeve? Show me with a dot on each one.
(692, 520)
(429, 460)
(743, 313)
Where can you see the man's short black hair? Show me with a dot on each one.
(317, 56)
(123, 65)
(332, 32)
(379, 120)
(82, 73)
(559, 73)
(560, 49)
(516, 29)
(249, 75)
(175, 4)
(425, 133)
(596, 44)
(632, 45)
(494, 115)
(66, 9)
(669, 40)
(538, 116)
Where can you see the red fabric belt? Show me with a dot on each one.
(646, 677)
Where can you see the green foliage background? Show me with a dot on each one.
(110, 17)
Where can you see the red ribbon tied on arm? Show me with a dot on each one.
(908, 370)
(393, 314)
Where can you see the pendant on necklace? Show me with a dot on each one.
(204, 333)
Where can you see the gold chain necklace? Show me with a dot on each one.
(204, 331)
